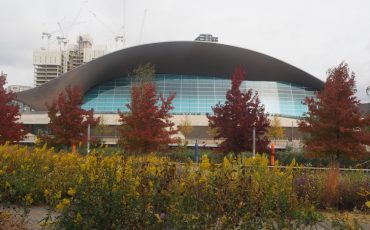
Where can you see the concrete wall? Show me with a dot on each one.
(112, 119)
(200, 123)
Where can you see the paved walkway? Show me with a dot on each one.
(38, 213)
(34, 217)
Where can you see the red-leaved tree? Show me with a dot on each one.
(10, 129)
(333, 123)
(147, 126)
(68, 121)
(234, 120)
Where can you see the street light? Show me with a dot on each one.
(196, 151)
(254, 140)
(88, 138)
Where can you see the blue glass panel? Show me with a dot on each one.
(197, 94)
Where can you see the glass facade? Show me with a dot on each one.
(197, 94)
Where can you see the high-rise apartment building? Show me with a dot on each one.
(49, 64)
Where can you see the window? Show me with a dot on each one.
(197, 94)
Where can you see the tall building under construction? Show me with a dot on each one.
(49, 64)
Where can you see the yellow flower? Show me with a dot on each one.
(7, 185)
(78, 218)
(37, 141)
(137, 181)
(182, 186)
(151, 185)
(28, 199)
(205, 162)
(45, 224)
(71, 192)
(159, 219)
(46, 193)
(226, 163)
(119, 174)
(202, 179)
(5, 215)
(80, 179)
(59, 206)
(151, 169)
(368, 204)
(58, 195)
(65, 202)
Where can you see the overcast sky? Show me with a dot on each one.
(312, 35)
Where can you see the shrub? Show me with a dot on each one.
(99, 191)
(285, 157)
(333, 189)
(330, 193)
(350, 189)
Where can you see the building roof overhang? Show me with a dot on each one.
(184, 58)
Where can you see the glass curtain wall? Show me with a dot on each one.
(197, 94)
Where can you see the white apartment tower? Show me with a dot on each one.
(49, 64)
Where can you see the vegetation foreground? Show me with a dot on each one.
(150, 192)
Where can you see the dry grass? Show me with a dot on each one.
(331, 195)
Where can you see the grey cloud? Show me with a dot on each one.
(312, 35)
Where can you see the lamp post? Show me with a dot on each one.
(254, 141)
(88, 138)
(196, 151)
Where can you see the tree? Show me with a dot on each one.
(10, 129)
(147, 126)
(333, 123)
(275, 131)
(68, 121)
(234, 120)
(185, 128)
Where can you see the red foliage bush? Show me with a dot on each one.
(10, 128)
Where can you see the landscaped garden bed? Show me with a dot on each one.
(151, 192)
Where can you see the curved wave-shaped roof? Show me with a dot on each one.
(187, 58)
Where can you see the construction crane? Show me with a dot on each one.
(117, 38)
(74, 21)
(61, 39)
(142, 27)
(48, 36)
